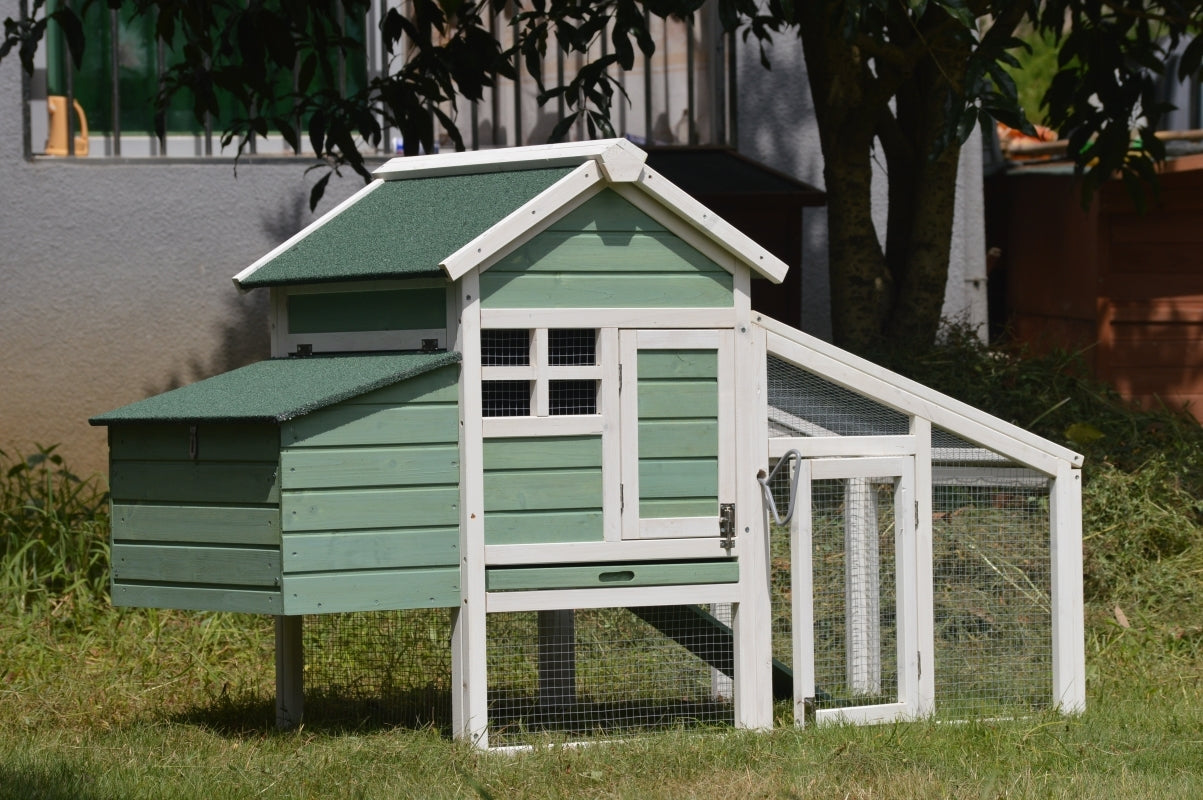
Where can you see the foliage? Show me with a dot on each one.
(905, 81)
(53, 533)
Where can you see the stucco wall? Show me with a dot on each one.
(777, 127)
(116, 278)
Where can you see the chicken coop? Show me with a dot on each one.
(521, 420)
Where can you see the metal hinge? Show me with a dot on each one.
(620, 377)
(622, 500)
(726, 526)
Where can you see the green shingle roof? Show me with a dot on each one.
(403, 228)
(278, 389)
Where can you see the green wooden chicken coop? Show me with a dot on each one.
(531, 381)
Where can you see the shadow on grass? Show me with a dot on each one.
(58, 781)
(253, 716)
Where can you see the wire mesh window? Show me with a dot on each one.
(599, 672)
(379, 668)
(571, 397)
(804, 404)
(992, 583)
(571, 347)
(504, 348)
(505, 398)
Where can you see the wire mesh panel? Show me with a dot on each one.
(571, 397)
(604, 672)
(571, 347)
(803, 404)
(504, 348)
(991, 583)
(854, 593)
(379, 668)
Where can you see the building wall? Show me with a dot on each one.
(116, 278)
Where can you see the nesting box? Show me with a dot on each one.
(531, 380)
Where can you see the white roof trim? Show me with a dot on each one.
(619, 159)
(531, 215)
(713, 226)
(306, 231)
(680, 205)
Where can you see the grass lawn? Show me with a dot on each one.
(99, 703)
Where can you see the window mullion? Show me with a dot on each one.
(539, 358)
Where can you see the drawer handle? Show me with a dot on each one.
(619, 576)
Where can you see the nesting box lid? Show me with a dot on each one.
(278, 389)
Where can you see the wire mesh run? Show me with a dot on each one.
(604, 672)
(571, 397)
(804, 404)
(379, 669)
(571, 347)
(992, 583)
(504, 348)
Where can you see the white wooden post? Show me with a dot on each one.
(862, 587)
(925, 622)
(752, 617)
(290, 672)
(802, 603)
(1069, 644)
(557, 658)
(469, 667)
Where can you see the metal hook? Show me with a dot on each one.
(764, 481)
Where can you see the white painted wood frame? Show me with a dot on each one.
(925, 609)
(626, 597)
(914, 399)
(469, 672)
(834, 446)
(1069, 656)
(906, 592)
(607, 318)
(631, 343)
(752, 617)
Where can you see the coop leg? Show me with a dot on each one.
(557, 658)
(862, 589)
(290, 665)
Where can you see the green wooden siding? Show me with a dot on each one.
(543, 489)
(678, 433)
(500, 579)
(607, 253)
(371, 590)
(379, 310)
(370, 500)
(199, 533)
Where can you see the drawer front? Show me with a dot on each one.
(501, 579)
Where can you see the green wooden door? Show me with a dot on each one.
(677, 424)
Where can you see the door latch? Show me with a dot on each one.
(726, 526)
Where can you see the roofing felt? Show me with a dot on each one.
(403, 228)
(279, 389)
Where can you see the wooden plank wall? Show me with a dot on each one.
(197, 532)
(606, 254)
(678, 433)
(543, 489)
(370, 501)
(1150, 292)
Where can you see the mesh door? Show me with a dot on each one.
(853, 568)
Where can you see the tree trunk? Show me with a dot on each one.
(841, 86)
